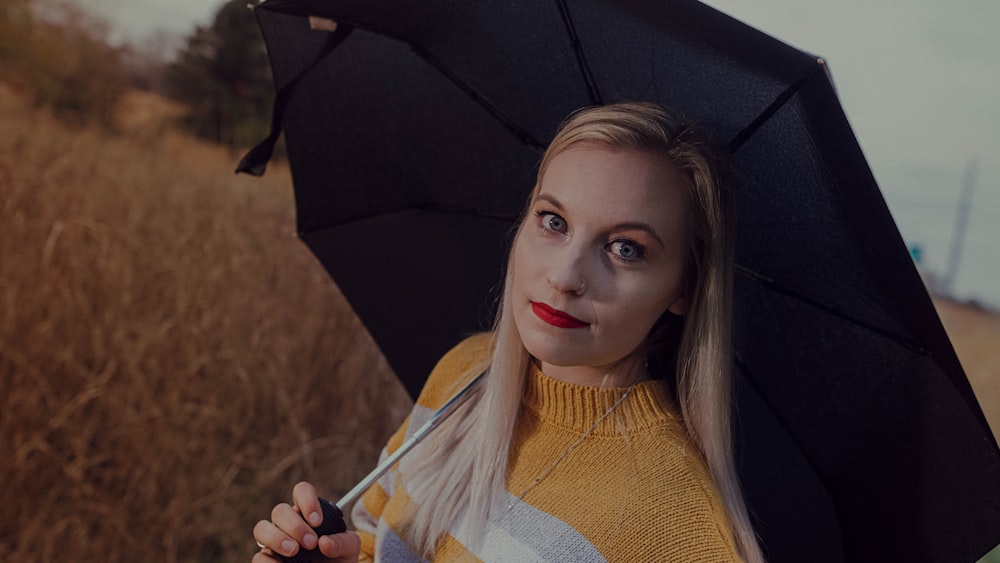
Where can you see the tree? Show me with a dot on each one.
(222, 75)
(60, 56)
(14, 17)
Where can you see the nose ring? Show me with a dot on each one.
(583, 285)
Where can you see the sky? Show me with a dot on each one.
(134, 20)
(918, 80)
(920, 83)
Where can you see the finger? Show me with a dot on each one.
(345, 545)
(307, 501)
(288, 520)
(274, 538)
(263, 557)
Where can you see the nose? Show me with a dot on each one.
(567, 272)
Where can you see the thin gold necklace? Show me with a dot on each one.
(545, 472)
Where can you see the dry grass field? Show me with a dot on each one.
(172, 358)
(975, 334)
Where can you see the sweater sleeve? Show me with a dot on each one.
(368, 510)
(452, 371)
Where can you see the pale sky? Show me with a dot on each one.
(134, 19)
(920, 83)
(918, 79)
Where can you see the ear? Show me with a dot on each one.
(679, 306)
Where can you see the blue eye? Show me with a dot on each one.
(627, 250)
(552, 222)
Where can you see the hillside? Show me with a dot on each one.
(172, 359)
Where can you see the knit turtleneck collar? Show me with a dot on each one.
(578, 407)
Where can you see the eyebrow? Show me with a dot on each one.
(552, 201)
(630, 226)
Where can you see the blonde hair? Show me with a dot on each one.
(464, 465)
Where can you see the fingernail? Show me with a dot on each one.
(315, 519)
(309, 541)
(288, 546)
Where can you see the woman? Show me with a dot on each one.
(601, 431)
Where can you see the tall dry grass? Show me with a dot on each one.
(975, 334)
(172, 359)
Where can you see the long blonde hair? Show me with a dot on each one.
(464, 466)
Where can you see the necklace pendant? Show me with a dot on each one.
(545, 472)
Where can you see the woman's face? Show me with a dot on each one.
(598, 260)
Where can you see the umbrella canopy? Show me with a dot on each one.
(414, 131)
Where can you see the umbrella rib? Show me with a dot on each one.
(581, 59)
(773, 108)
(255, 161)
(424, 54)
(433, 207)
(514, 128)
(774, 286)
(752, 381)
(461, 210)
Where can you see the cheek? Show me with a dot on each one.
(517, 265)
(640, 307)
(528, 255)
(637, 315)
(523, 270)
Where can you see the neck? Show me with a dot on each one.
(623, 373)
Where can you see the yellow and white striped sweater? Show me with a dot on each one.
(644, 496)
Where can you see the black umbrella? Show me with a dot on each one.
(413, 131)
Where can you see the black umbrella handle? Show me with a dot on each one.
(333, 523)
(333, 518)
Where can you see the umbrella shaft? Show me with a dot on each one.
(443, 413)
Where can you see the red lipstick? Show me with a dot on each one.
(556, 317)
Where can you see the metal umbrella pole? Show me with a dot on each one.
(333, 513)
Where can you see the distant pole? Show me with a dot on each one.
(961, 221)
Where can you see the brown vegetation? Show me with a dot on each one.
(59, 56)
(975, 334)
(172, 359)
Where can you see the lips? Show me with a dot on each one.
(556, 317)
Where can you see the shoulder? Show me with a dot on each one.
(456, 368)
(680, 495)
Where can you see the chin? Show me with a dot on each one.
(541, 346)
(550, 350)
(556, 346)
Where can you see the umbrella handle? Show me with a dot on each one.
(333, 517)
(333, 523)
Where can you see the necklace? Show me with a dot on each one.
(545, 472)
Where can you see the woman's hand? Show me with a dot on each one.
(287, 532)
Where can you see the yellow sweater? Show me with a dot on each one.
(641, 496)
